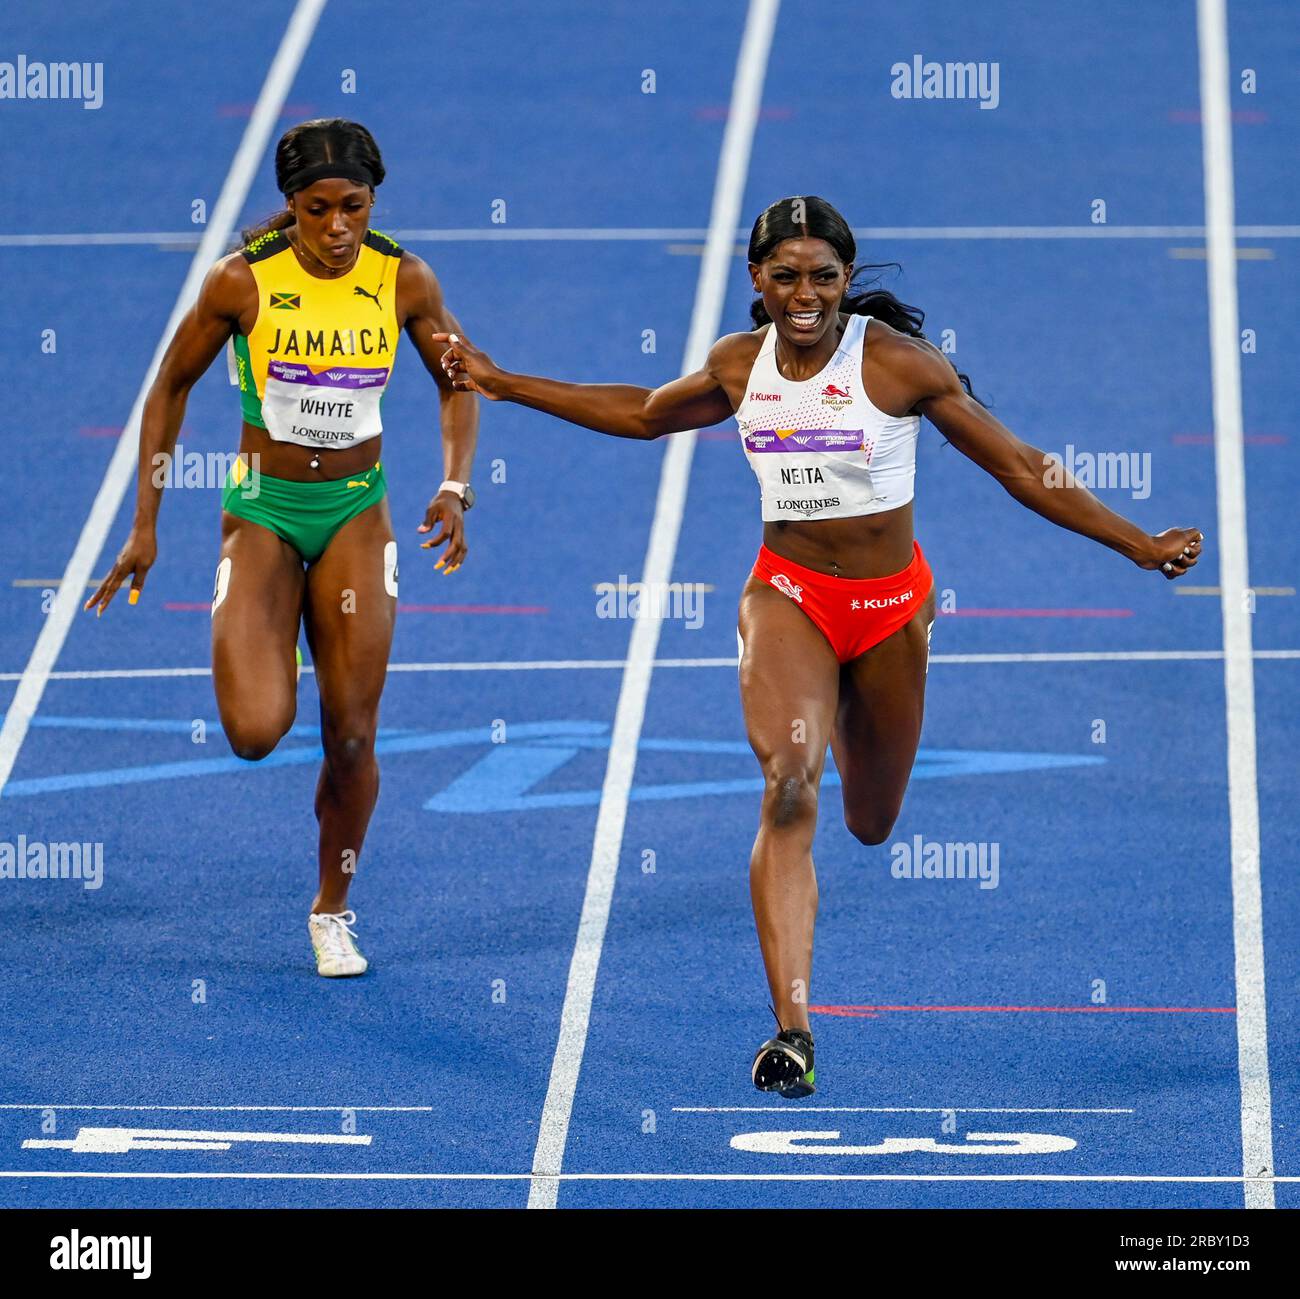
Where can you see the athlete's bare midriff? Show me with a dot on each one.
(292, 461)
(870, 545)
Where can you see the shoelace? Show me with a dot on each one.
(333, 934)
(781, 1030)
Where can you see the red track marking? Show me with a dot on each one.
(1250, 439)
(1036, 613)
(197, 606)
(1247, 116)
(114, 430)
(873, 1012)
(472, 608)
(246, 110)
(720, 112)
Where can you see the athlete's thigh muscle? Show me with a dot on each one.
(789, 683)
(257, 606)
(351, 611)
(881, 706)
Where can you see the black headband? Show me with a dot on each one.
(356, 171)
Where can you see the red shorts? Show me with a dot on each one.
(853, 614)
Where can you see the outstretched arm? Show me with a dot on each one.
(1035, 479)
(621, 410)
(198, 339)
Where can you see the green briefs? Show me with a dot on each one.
(306, 515)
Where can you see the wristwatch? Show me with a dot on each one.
(463, 490)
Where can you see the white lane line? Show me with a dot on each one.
(571, 665)
(1238, 667)
(121, 1141)
(102, 239)
(106, 674)
(1214, 590)
(477, 234)
(878, 1109)
(121, 467)
(545, 234)
(240, 1109)
(1108, 656)
(1241, 254)
(537, 1179)
(535, 665)
(706, 317)
(649, 234)
(1065, 232)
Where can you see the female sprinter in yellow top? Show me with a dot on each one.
(828, 390)
(314, 304)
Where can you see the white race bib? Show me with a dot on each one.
(335, 407)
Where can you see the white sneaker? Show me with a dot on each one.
(331, 939)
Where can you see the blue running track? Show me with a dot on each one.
(1087, 1003)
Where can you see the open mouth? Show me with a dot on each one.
(804, 321)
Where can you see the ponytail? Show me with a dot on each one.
(281, 220)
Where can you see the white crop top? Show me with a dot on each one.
(819, 448)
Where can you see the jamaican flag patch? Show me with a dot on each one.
(286, 301)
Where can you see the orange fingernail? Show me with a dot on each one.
(133, 598)
(440, 563)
